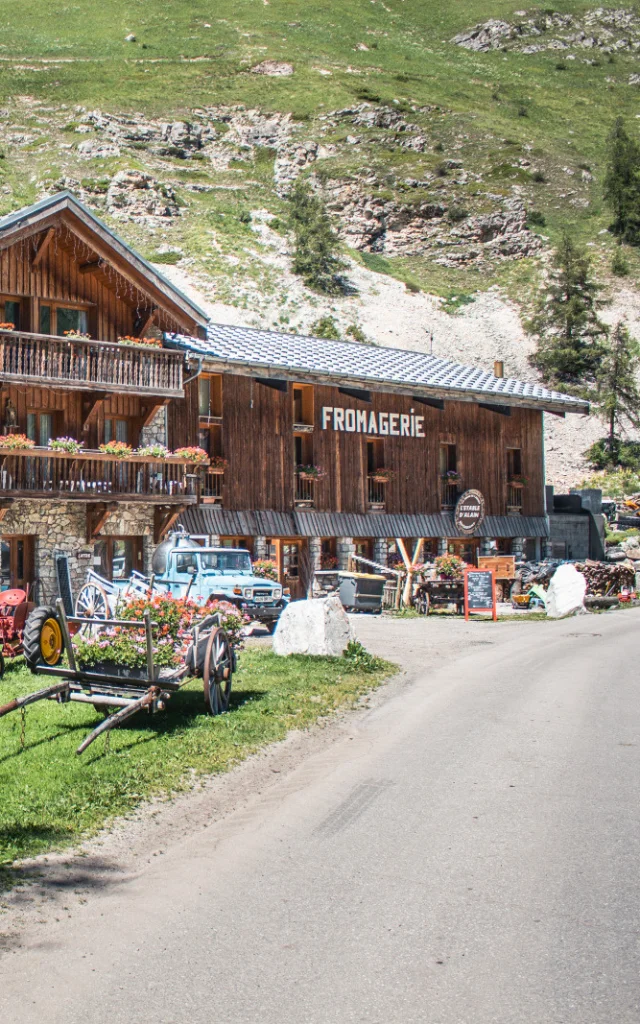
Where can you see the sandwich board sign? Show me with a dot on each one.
(480, 592)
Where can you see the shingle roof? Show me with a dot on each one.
(367, 365)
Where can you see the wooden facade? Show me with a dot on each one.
(258, 441)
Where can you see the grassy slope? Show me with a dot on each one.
(177, 64)
(51, 797)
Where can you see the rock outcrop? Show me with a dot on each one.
(137, 196)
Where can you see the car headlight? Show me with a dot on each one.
(277, 593)
(248, 592)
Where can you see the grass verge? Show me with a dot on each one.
(52, 798)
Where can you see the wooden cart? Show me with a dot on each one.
(122, 692)
(438, 594)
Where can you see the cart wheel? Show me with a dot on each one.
(42, 641)
(218, 671)
(92, 602)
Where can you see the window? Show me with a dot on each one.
(16, 562)
(116, 430)
(303, 404)
(10, 311)
(448, 459)
(375, 456)
(210, 395)
(40, 427)
(303, 449)
(58, 319)
(210, 438)
(514, 462)
(290, 553)
(116, 557)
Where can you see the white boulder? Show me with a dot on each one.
(313, 627)
(565, 595)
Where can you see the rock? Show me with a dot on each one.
(616, 554)
(130, 38)
(318, 627)
(97, 149)
(137, 196)
(566, 592)
(273, 68)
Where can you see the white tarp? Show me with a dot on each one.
(565, 595)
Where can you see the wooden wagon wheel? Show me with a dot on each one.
(218, 672)
(92, 602)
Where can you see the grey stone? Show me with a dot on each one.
(319, 627)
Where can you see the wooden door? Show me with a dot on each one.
(16, 561)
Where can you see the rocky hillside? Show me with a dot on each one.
(452, 145)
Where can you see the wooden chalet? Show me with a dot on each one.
(69, 290)
(319, 449)
(336, 448)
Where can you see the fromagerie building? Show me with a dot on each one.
(327, 449)
(318, 449)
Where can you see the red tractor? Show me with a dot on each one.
(15, 606)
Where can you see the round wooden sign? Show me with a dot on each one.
(469, 512)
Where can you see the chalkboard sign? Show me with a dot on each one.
(479, 592)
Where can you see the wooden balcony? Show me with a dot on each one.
(514, 499)
(375, 493)
(90, 365)
(212, 486)
(304, 491)
(94, 476)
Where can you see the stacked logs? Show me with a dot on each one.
(607, 578)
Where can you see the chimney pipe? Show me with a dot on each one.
(498, 368)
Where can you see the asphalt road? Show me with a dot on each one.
(466, 852)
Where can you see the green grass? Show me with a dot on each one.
(52, 798)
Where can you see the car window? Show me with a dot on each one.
(186, 560)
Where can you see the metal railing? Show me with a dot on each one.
(375, 492)
(448, 495)
(89, 476)
(75, 362)
(304, 493)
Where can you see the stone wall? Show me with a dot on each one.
(156, 432)
(61, 526)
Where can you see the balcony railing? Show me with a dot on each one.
(212, 487)
(304, 493)
(448, 495)
(73, 362)
(375, 493)
(95, 476)
(514, 500)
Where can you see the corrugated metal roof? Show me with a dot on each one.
(67, 200)
(226, 522)
(368, 364)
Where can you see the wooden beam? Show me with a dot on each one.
(95, 405)
(146, 323)
(501, 410)
(97, 516)
(404, 553)
(359, 393)
(4, 508)
(433, 403)
(164, 518)
(153, 409)
(41, 251)
(92, 267)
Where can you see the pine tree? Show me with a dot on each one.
(622, 184)
(316, 243)
(618, 391)
(570, 335)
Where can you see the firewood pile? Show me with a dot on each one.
(607, 578)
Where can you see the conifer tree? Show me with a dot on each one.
(618, 391)
(622, 184)
(570, 334)
(316, 243)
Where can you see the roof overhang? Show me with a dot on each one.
(214, 364)
(65, 208)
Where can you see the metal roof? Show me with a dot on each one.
(308, 523)
(67, 200)
(371, 366)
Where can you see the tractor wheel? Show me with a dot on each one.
(218, 671)
(42, 641)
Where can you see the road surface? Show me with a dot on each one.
(465, 851)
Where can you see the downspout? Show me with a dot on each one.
(194, 375)
(544, 489)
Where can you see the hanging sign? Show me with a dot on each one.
(480, 592)
(469, 513)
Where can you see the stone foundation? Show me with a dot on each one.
(60, 526)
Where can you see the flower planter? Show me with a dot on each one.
(109, 668)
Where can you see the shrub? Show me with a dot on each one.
(457, 213)
(355, 332)
(244, 216)
(623, 454)
(317, 244)
(619, 264)
(536, 219)
(539, 177)
(326, 327)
